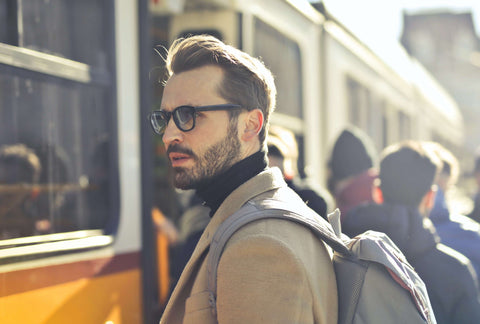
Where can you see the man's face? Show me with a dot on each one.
(213, 145)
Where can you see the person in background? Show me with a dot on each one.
(54, 207)
(352, 169)
(456, 231)
(192, 223)
(214, 117)
(20, 170)
(283, 153)
(166, 239)
(475, 213)
(405, 195)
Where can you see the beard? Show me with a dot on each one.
(217, 159)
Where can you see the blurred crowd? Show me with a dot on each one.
(404, 192)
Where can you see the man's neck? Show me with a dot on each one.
(221, 186)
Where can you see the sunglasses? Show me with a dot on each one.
(183, 116)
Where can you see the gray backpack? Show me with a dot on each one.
(375, 282)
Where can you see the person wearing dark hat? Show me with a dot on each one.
(352, 169)
(283, 153)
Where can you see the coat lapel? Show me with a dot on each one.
(267, 180)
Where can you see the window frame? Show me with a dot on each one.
(28, 63)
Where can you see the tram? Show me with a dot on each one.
(78, 242)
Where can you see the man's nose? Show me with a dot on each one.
(172, 133)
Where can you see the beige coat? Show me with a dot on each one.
(271, 271)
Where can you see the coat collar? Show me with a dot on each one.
(269, 179)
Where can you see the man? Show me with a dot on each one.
(407, 173)
(267, 272)
(283, 153)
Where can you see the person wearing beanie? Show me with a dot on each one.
(352, 170)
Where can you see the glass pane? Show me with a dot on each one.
(3, 21)
(403, 126)
(60, 131)
(8, 22)
(77, 30)
(354, 102)
(282, 56)
(385, 126)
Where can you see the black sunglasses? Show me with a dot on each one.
(183, 116)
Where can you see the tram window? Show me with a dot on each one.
(354, 102)
(370, 120)
(376, 122)
(286, 67)
(3, 21)
(301, 156)
(58, 135)
(404, 129)
(8, 22)
(80, 29)
(373, 120)
(384, 129)
(360, 104)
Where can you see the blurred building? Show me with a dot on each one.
(447, 44)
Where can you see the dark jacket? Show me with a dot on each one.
(315, 197)
(457, 231)
(448, 275)
(475, 213)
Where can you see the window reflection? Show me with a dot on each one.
(63, 130)
(19, 171)
(285, 67)
(76, 24)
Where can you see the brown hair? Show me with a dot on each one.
(407, 172)
(247, 81)
(19, 164)
(449, 163)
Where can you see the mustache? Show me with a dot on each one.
(176, 148)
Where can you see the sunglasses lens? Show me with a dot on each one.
(159, 121)
(184, 117)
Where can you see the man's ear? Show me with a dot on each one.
(427, 202)
(253, 122)
(377, 193)
(430, 198)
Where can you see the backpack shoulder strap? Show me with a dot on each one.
(251, 212)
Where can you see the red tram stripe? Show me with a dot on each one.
(25, 280)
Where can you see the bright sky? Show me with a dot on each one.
(379, 22)
(383, 18)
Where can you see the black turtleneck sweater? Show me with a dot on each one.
(219, 187)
